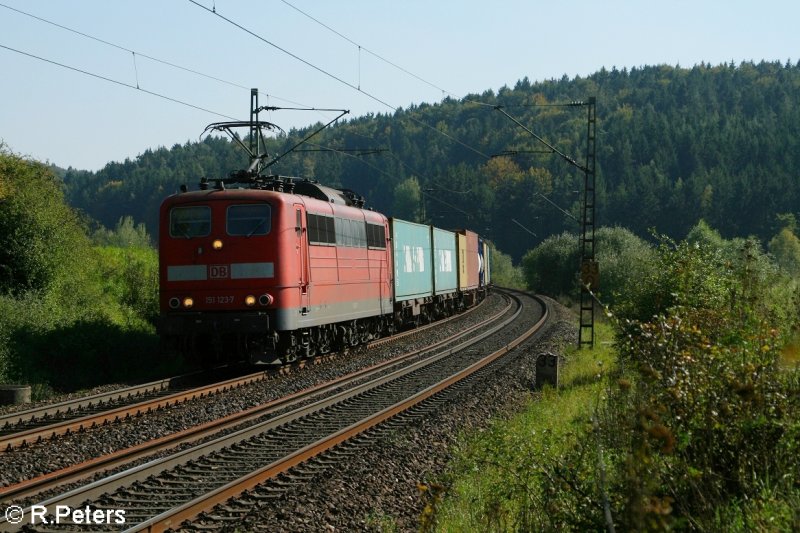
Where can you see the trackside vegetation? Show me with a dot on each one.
(686, 416)
(73, 313)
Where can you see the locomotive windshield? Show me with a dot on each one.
(188, 222)
(249, 219)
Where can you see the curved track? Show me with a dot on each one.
(157, 495)
(36, 425)
(76, 472)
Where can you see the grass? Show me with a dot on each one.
(497, 482)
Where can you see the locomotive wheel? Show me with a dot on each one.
(325, 340)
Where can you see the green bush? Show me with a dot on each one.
(700, 416)
(552, 267)
(697, 426)
(504, 273)
(129, 277)
(126, 234)
(43, 243)
(71, 315)
(785, 247)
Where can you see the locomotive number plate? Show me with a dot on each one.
(219, 271)
(219, 299)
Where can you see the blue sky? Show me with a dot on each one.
(71, 119)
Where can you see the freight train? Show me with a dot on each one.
(286, 268)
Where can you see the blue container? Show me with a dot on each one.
(445, 271)
(413, 266)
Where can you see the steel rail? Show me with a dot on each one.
(34, 435)
(115, 459)
(63, 427)
(96, 401)
(174, 517)
(79, 496)
(68, 406)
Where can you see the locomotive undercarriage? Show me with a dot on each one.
(211, 346)
(304, 343)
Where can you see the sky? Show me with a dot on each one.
(136, 90)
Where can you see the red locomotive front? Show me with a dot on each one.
(265, 274)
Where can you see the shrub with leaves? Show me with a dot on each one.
(129, 277)
(126, 234)
(709, 416)
(696, 427)
(70, 315)
(552, 267)
(504, 273)
(43, 244)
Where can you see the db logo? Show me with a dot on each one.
(218, 271)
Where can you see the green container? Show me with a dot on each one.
(445, 267)
(413, 266)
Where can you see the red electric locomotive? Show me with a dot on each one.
(285, 269)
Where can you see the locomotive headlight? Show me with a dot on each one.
(217, 244)
(250, 300)
(188, 302)
(174, 303)
(265, 299)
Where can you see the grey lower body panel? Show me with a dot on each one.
(290, 319)
(213, 323)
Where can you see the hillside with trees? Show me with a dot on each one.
(674, 145)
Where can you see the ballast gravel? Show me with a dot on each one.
(25, 463)
(385, 484)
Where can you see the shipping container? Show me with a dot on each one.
(413, 265)
(487, 265)
(484, 263)
(461, 244)
(469, 262)
(445, 276)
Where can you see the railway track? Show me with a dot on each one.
(36, 425)
(17, 422)
(162, 493)
(79, 471)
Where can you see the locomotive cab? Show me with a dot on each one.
(266, 274)
(218, 252)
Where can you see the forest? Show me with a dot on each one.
(674, 145)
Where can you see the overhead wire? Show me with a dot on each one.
(444, 91)
(135, 53)
(412, 171)
(361, 47)
(391, 63)
(334, 77)
(380, 170)
(234, 84)
(117, 82)
(398, 67)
